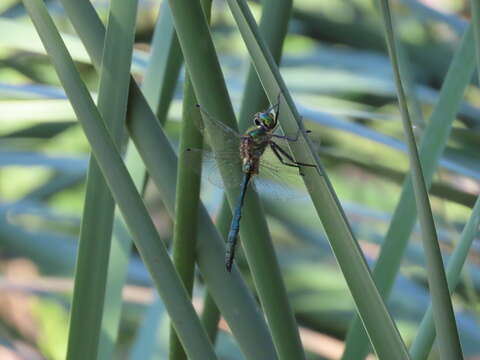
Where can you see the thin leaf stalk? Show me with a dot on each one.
(123, 190)
(445, 325)
(211, 315)
(432, 145)
(423, 342)
(164, 67)
(381, 327)
(97, 220)
(229, 290)
(187, 197)
(210, 89)
(187, 203)
(158, 86)
(273, 27)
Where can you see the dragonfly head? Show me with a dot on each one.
(267, 119)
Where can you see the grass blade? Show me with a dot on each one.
(121, 246)
(431, 147)
(475, 5)
(120, 250)
(135, 214)
(97, 221)
(423, 342)
(27, 39)
(199, 54)
(210, 314)
(186, 206)
(188, 197)
(163, 64)
(158, 87)
(229, 291)
(382, 329)
(273, 27)
(210, 317)
(274, 23)
(445, 325)
(160, 80)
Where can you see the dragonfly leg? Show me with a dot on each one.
(284, 137)
(277, 108)
(279, 152)
(288, 138)
(280, 158)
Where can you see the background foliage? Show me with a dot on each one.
(336, 68)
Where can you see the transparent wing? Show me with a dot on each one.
(216, 127)
(274, 179)
(229, 162)
(226, 156)
(278, 181)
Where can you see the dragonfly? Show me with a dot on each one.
(251, 146)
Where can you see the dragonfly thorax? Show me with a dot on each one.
(252, 147)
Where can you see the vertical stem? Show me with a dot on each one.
(186, 205)
(211, 314)
(273, 27)
(98, 213)
(187, 198)
(449, 342)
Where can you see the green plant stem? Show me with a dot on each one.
(186, 208)
(445, 325)
(188, 198)
(199, 54)
(273, 27)
(96, 229)
(210, 315)
(475, 6)
(123, 190)
(431, 147)
(229, 290)
(163, 70)
(158, 86)
(120, 251)
(381, 328)
(423, 342)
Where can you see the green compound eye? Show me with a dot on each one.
(267, 119)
